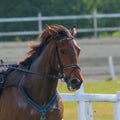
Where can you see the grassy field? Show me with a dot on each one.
(101, 111)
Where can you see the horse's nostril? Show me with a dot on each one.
(74, 81)
(74, 84)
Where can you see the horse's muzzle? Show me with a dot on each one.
(74, 84)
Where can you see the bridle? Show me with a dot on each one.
(61, 68)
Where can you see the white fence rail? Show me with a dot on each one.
(41, 19)
(85, 103)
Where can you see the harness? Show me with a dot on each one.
(61, 75)
(42, 110)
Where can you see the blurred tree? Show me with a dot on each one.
(24, 8)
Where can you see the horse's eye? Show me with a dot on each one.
(62, 51)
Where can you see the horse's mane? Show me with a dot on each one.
(53, 32)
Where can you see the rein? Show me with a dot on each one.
(42, 74)
(31, 72)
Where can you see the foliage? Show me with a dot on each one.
(27, 8)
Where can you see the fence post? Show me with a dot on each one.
(95, 23)
(117, 107)
(81, 105)
(39, 23)
(89, 113)
(111, 66)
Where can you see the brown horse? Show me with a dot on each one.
(29, 91)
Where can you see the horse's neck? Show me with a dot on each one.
(38, 87)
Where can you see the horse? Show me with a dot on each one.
(29, 90)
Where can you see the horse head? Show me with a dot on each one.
(59, 54)
(66, 55)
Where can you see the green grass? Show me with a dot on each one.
(70, 108)
(101, 110)
(116, 34)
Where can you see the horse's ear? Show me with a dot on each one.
(73, 30)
